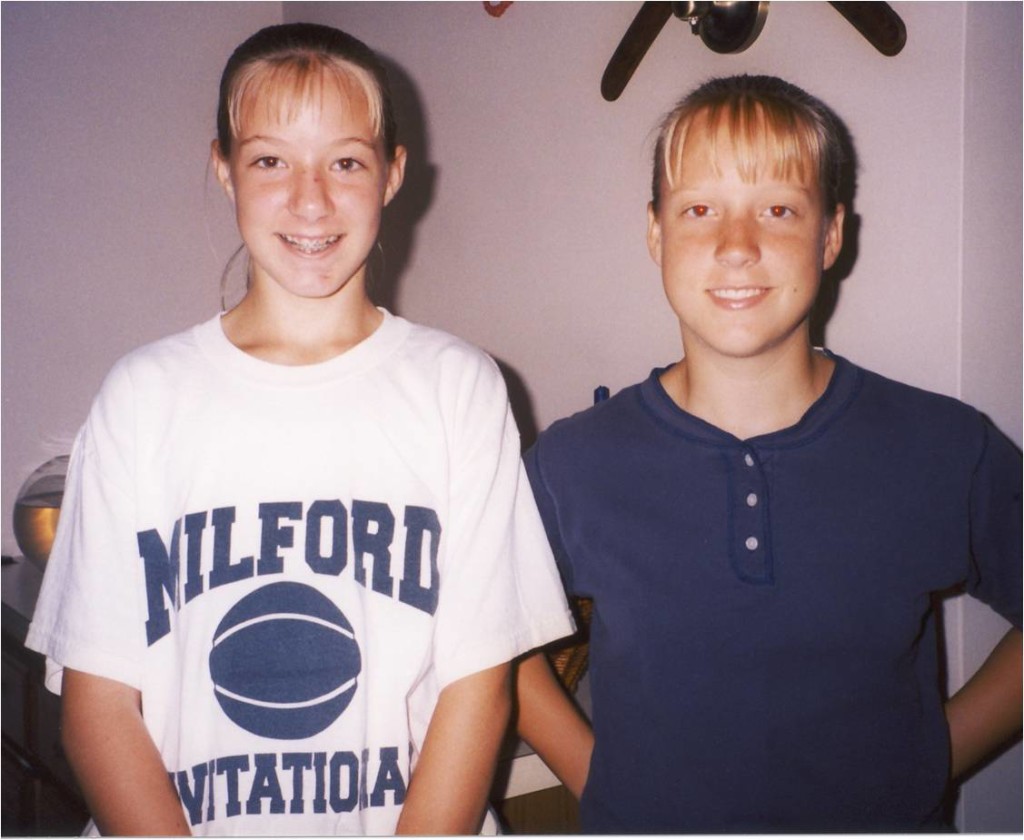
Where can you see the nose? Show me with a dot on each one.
(737, 243)
(310, 197)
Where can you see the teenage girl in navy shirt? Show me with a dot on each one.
(763, 526)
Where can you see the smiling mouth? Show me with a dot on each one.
(737, 294)
(308, 245)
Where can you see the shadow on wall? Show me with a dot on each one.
(828, 294)
(398, 229)
(401, 216)
(522, 405)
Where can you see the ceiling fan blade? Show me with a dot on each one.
(649, 21)
(877, 22)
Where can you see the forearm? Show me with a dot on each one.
(453, 776)
(115, 760)
(986, 712)
(549, 722)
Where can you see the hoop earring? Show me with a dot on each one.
(225, 275)
(373, 273)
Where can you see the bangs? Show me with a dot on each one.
(765, 140)
(280, 89)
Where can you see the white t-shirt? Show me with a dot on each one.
(290, 564)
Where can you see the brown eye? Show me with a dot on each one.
(268, 162)
(348, 164)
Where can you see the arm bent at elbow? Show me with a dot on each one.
(550, 723)
(115, 760)
(986, 712)
(453, 776)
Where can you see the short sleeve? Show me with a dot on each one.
(996, 539)
(500, 591)
(88, 610)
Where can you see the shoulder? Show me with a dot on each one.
(606, 417)
(927, 421)
(590, 433)
(915, 404)
(137, 395)
(434, 344)
(449, 361)
(150, 373)
(163, 356)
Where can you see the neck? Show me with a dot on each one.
(749, 397)
(278, 327)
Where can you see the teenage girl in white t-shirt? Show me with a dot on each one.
(307, 154)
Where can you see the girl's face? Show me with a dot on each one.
(741, 257)
(308, 184)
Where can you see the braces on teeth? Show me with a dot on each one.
(311, 246)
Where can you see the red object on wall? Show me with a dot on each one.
(496, 9)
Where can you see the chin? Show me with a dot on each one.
(742, 346)
(317, 288)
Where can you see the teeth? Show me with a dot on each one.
(310, 246)
(736, 294)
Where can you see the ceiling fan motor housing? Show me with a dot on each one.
(724, 27)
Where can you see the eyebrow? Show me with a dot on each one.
(681, 187)
(341, 141)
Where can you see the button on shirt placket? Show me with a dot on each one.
(751, 557)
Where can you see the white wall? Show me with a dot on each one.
(991, 326)
(522, 223)
(534, 243)
(112, 233)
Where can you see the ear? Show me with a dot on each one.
(396, 174)
(222, 170)
(833, 238)
(653, 234)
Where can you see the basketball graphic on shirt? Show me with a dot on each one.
(284, 662)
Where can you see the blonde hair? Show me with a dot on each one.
(285, 67)
(768, 121)
(282, 87)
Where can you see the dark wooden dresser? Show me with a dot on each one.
(40, 797)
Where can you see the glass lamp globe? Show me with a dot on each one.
(37, 509)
